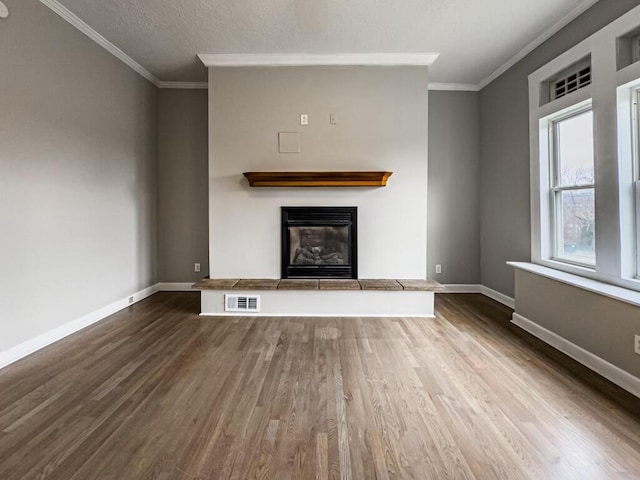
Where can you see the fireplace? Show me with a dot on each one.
(319, 242)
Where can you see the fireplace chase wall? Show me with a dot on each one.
(319, 242)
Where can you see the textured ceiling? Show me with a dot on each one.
(473, 37)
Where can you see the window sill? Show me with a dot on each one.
(617, 293)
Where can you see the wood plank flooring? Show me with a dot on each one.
(157, 392)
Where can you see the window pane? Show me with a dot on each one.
(574, 138)
(577, 233)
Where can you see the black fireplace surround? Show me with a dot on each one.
(319, 242)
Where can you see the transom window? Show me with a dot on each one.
(573, 188)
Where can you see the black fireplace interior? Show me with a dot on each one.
(319, 242)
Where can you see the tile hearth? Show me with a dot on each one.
(322, 284)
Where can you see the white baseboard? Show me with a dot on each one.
(21, 350)
(477, 288)
(461, 288)
(498, 297)
(609, 371)
(174, 287)
(17, 352)
(315, 315)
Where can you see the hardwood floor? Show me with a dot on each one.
(157, 392)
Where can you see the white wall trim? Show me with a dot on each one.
(273, 60)
(477, 288)
(462, 288)
(315, 315)
(543, 37)
(32, 345)
(77, 22)
(615, 292)
(454, 87)
(309, 59)
(184, 85)
(498, 297)
(175, 286)
(609, 371)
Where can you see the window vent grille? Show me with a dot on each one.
(570, 83)
(241, 303)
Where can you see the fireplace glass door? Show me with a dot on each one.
(319, 242)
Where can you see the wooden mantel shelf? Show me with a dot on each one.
(318, 179)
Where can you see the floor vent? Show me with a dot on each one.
(241, 303)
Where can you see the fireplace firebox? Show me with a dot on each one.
(319, 242)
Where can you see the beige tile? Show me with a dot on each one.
(379, 284)
(335, 284)
(427, 285)
(257, 284)
(215, 284)
(298, 284)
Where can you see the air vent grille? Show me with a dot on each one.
(241, 303)
(570, 83)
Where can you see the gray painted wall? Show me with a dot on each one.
(183, 197)
(454, 187)
(77, 175)
(599, 324)
(505, 228)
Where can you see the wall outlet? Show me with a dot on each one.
(304, 119)
(438, 268)
(333, 119)
(636, 344)
(196, 267)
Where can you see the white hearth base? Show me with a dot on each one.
(326, 303)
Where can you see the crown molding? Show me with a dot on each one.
(454, 87)
(184, 85)
(341, 59)
(309, 59)
(77, 22)
(543, 37)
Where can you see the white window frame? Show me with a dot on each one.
(628, 133)
(637, 212)
(635, 142)
(555, 189)
(617, 197)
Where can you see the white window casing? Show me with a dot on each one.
(612, 95)
(637, 220)
(558, 186)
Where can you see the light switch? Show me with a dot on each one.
(333, 119)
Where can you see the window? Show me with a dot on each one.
(573, 188)
(637, 212)
(636, 178)
(585, 157)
